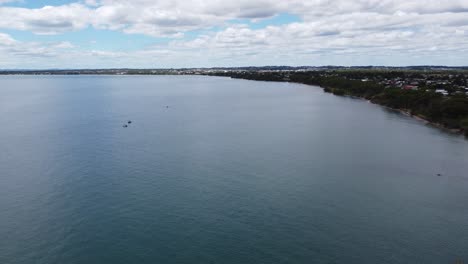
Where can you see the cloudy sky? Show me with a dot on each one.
(208, 33)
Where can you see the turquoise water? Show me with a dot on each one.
(232, 171)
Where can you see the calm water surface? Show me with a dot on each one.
(233, 171)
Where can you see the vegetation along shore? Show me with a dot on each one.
(435, 94)
(438, 97)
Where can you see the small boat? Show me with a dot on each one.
(129, 121)
(125, 126)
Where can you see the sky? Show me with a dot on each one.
(46, 34)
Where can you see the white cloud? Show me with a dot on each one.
(63, 45)
(168, 18)
(46, 20)
(9, 1)
(6, 40)
(17, 53)
(92, 2)
(376, 31)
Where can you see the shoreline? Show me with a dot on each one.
(404, 112)
(401, 111)
(408, 114)
(421, 119)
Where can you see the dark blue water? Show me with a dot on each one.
(233, 171)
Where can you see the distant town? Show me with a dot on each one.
(440, 79)
(436, 94)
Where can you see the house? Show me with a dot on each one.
(410, 87)
(442, 91)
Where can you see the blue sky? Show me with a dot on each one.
(111, 40)
(209, 33)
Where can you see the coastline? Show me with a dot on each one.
(408, 114)
(421, 119)
(402, 111)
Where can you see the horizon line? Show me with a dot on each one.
(235, 67)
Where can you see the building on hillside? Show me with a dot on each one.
(410, 87)
(442, 91)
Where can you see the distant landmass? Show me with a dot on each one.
(436, 94)
(130, 71)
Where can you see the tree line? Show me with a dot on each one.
(451, 112)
